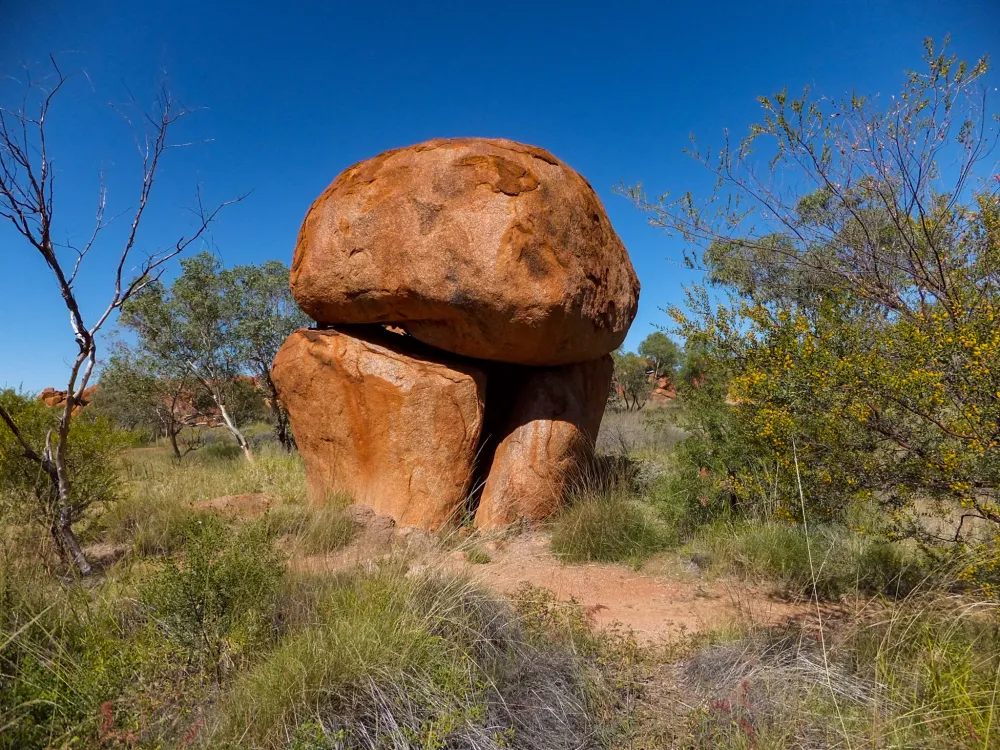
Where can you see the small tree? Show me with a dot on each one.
(631, 379)
(192, 326)
(27, 201)
(663, 352)
(143, 392)
(265, 314)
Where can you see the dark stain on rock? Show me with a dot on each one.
(427, 214)
(503, 175)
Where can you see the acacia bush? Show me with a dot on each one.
(94, 457)
(218, 603)
(851, 343)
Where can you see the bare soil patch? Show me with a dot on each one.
(658, 603)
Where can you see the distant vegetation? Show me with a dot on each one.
(636, 375)
(205, 345)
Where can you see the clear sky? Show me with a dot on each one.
(294, 92)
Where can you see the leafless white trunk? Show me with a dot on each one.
(27, 202)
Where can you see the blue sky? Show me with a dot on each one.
(294, 92)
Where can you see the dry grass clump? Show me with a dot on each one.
(920, 673)
(396, 660)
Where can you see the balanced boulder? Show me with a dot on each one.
(388, 421)
(486, 248)
(546, 439)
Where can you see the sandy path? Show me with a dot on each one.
(659, 602)
(654, 604)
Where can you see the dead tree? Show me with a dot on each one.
(27, 201)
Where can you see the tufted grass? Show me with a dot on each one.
(843, 562)
(392, 659)
(315, 531)
(606, 525)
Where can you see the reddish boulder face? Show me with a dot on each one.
(485, 248)
(390, 422)
(443, 274)
(52, 397)
(547, 438)
(663, 390)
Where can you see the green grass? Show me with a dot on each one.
(607, 525)
(156, 506)
(831, 561)
(316, 531)
(397, 660)
(216, 645)
(202, 637)
(921, 672)
(477, 556)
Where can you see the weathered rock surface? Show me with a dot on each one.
(554, 415)
(391, 422)
(486, 248)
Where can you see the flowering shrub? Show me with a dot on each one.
(852, 331)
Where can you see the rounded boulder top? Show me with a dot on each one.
(485, 248)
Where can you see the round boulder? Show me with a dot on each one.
(487, 248)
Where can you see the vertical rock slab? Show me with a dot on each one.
(554, 415)
(394, 424)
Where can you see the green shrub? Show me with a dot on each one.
(681, 502)
(93, 459)
(218, 604)
(606, 526)
(63, 652)
(125, 661)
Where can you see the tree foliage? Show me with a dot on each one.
(663, 352)
(631, 384)
(139, 391)
(192, 327)
(265, 314)
(853, 330)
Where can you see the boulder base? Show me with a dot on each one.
(547, 437)
(393, 425)
(486, 248)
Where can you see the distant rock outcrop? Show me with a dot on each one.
(663, 389)
(456, 283)
(57, 398)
